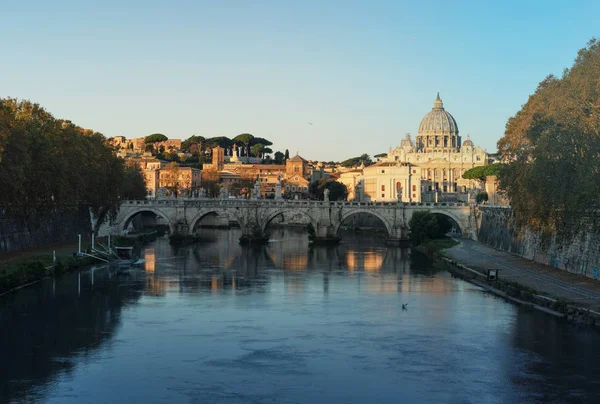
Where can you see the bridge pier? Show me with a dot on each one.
(253, 235)
(325, 235)
(398, 235)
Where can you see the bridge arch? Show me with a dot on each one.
(389, 226)
(205, 212)
(122, 225)
(462, 226)
(283, 212)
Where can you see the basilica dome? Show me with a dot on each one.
(438, 121)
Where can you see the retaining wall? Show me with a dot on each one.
(59, 227)
(581, 255)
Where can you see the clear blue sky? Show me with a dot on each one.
(362, 72)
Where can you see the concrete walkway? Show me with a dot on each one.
(556, 283)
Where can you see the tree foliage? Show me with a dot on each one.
(481, 172)
(552, 147)
(337, 190)
(193, 145)
(48, 163)
(356, 161)
(425, 225)
(155, 138)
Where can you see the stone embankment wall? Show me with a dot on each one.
(60, 227)
(581, 255)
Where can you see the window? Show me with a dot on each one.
(414, 195)
(414, 171)
(382, 171)
(293, 188)
(296, 169)
(383, 195)
(398, 185)
(414, 188)
(383, 188)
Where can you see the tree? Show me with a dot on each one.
(337, 190)
(481, 173)
(365, 159)
(380, 155)
(351, 162)
(210, 181)
(279, 157)
(155, 138)
(193, 145)
(257, 149)
(244, 139)
(554, 140)
(424, 226)
(287, 154)
(133, 186)
(49, 164)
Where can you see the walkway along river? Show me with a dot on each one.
(285, 323)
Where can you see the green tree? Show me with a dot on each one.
(133, 186)
(552, 149)
(287, 154)
(244, 139)
(423, 226)
(193, 145)
(257, 150)
(337, 190)
(279, 157)
(48, 164)
(155, 138)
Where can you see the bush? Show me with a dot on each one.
(481, 197)
(425, 225)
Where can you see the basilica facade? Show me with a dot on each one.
(428, 169)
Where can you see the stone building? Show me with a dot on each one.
(178, 180)
(428, 169)
(294, 174)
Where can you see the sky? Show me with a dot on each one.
(327, 79)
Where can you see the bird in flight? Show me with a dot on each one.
(311, 124)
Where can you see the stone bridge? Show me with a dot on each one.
(253, 216)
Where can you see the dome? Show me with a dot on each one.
(438, 121)
(468, 142)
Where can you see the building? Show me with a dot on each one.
(177, 180)
(294, 174)
(429, 169)
(297, 176)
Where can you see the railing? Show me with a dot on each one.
(284, 203)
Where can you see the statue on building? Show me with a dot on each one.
(202, 193)
(256, 190)
(399, 194)
(326, 195)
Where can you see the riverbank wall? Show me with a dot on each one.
(580, 255)
(18, 234)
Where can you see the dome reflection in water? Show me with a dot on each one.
(285, 323)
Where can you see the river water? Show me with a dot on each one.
(218, 323)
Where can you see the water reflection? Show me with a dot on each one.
(217, 322)
(47, 329)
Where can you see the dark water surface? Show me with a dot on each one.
(217, 323)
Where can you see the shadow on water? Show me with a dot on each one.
(45, 326)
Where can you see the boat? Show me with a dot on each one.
(125, 257)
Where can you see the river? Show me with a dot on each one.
(219, 323)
